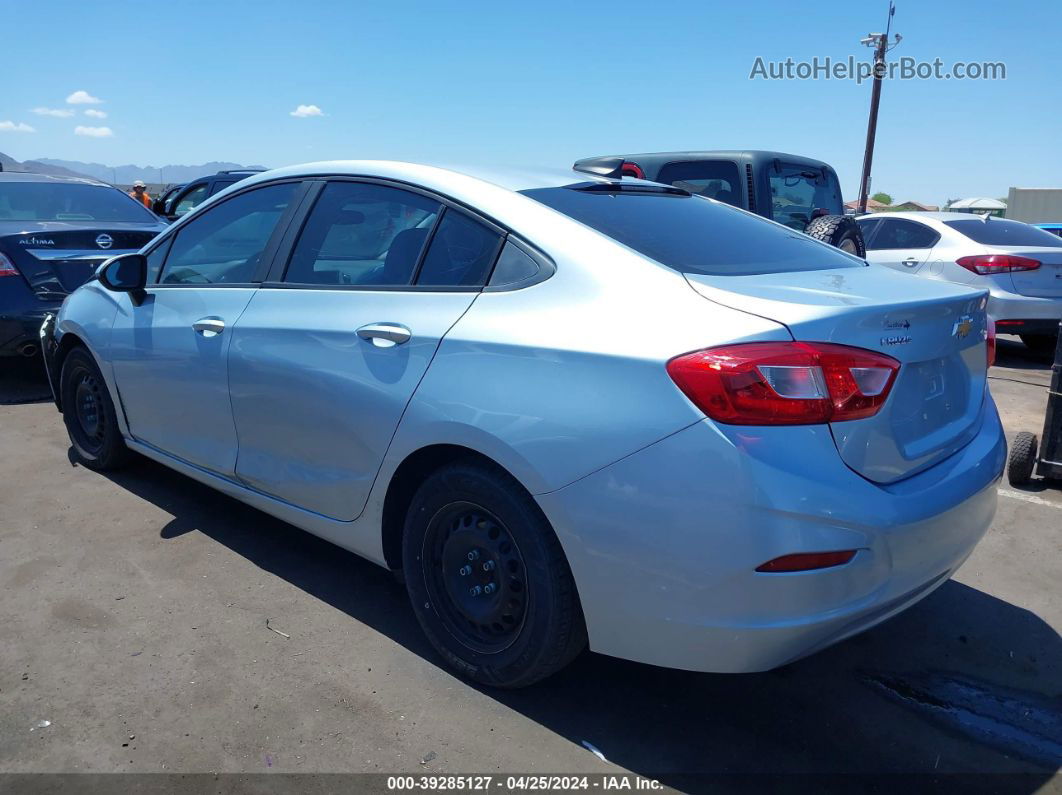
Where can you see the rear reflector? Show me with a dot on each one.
(785, 383)
(806, 561)
(6, 267)
(990, 340)
(986, 264)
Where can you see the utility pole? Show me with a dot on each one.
(880, 43)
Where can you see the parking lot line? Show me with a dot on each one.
(1017, 495)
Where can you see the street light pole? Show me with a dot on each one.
(880, 43)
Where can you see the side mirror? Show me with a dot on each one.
(126, 273)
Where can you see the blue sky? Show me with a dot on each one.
(532, 83)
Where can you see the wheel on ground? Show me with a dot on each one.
(1022, 459)
(488, 579)
(838, 230)
(1043, 344)
(88, 413)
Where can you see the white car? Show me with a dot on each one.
(1019, 264)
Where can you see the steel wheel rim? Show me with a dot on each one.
(475, 577)
(849, 247)
(91, 420)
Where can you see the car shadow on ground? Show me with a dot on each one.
(23, 381)
(962, 682)
(1012, 353)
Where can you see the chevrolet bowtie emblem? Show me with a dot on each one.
(962, 327)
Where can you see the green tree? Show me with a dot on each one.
(884, 198)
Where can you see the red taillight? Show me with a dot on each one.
(990, 340)
(985, 264)
(806, 561)
(7, 268)
(630, 169)
(785, 383)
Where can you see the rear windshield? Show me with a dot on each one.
(64, 201)
(694, 235)
(1000, 232)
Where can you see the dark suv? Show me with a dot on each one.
(180, 201)
(799, 192)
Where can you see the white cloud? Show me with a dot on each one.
(83, 98)
(10, 126)
(59, 113)
(94, 132)
(304, 111)
(96, 114)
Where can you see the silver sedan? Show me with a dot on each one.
(572, 409)
(1019, 264)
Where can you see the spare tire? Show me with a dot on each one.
(838, 230)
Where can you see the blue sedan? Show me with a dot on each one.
(572, 408)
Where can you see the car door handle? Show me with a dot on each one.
(209, 326)
(909, 262)
(385, 335)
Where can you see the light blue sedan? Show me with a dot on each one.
(572, 409)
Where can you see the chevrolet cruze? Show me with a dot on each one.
(571, 409)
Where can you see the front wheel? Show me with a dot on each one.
(488, 579)
(840, 231)
(89, 415)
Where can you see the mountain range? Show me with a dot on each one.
(118, 175)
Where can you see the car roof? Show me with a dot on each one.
(514, 178)
(759, 156)
(28, 176)
(920, 215)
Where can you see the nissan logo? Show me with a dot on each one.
(104, 241)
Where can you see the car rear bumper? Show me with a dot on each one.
(20, 332)
(664, 544)
(1024, 314)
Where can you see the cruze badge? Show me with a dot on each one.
(962, 327)
(885, 341)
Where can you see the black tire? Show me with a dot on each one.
(840, 231)
(1022, 459)
(530, 624)
(1041, 344)
(89, 415)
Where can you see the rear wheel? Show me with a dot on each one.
(488, 579)
(1043, 344)
(840, 231)
(89, 415)
(1022, 459)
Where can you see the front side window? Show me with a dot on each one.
(191, 200)
(692, 235)
(867, 227)
(716, 179)
(898, 233)
(225, 243)
(362, 234)
(1000, 232)
(220, 185)
(796, 192)
(69, 201)
(461, 254)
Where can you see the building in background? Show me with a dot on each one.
(1035, 205)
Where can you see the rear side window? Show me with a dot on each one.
(362, 234)
(692, 235)
(1000, 232)
(897, 233)
(224, 244)
(461, 253)
(797, 191)
(716, 179)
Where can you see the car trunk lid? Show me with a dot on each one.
(935, 330)
(1045, 281)
(56, 262)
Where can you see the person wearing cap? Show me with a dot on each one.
(140, 193)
